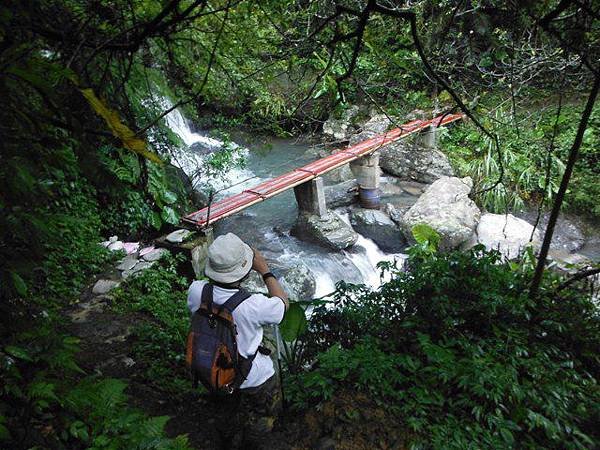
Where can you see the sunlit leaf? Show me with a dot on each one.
(294, 323)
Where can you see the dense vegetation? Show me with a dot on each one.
(85, 153)
(459, 366)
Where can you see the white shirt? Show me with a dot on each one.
(249, 318)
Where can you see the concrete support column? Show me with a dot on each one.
(366, 171)
(311, 197)
(428, 138)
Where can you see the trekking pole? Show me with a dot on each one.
(278, 341)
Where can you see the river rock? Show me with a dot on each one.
(128, 262)
(446, 207)
(506, 233)
(568, 231)
(379, 227)
(178, 236)
(140, 266)
(340, 128)
(567, 261)
(330, 230)
(104, 286)
(341, 194)
(394, 213)
(116, 246)
(297, 281)
(156, 254)
(339, 175)
(410, 162)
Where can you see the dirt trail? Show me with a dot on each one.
(107, 345)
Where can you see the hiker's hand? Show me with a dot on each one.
(259, 263)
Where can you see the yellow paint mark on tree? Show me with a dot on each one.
(118, 128)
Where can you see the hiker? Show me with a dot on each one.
(253, 406)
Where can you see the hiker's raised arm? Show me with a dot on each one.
(275, 290)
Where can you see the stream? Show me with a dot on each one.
(266, 225)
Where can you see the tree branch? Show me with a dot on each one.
(560, 196)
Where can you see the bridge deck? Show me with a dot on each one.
(270, 188)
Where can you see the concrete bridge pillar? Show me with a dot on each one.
(366, 171)
(311, 197)
(428, 138)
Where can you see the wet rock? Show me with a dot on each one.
(128, 262)
(394, 213)
(202, 148)
(568, 231)
(116, 246)
(340, 128)
(341, 194)
(297, 281)
(341, 174)
(506, 233)
(155, 254)
(409, 162)
(446, 207)
(330, 230)
(567, 261)
(178, 236)
(140, 266)
(199, 255)
(104, 286)
(379, 227)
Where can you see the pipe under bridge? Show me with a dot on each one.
(306, 180)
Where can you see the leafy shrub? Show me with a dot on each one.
(458, 365)
(44, 403)
(525, 156)
(160, 294)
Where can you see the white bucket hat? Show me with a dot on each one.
(229, 259)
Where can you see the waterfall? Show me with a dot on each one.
(354, 265)
(194, 163)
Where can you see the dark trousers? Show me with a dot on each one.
(244, 419)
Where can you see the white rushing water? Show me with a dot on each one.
(366, 254)
(194, 163)
(355, 265)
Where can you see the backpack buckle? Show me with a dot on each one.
(228, 389)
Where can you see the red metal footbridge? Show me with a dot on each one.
(236, 203)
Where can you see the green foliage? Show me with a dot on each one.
(461, 357)
(159, 293)
(294, 323)
(44, 404)
(427, 238)
(526, 150)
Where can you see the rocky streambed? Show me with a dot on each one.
(418, 185)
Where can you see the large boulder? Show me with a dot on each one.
(410, 162)
(405, 159)
(568, 233)
(297, 281)
(341, 194)
(378, 226)
(506, 233)
(330, 230)
(446, 207)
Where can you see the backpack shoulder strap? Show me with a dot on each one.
(235, 300)
(207, 296)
